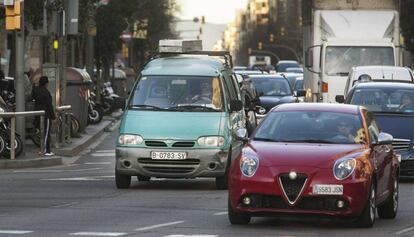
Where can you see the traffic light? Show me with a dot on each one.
(13, 15)
(260, 46)
(271, 38)
(203, 20)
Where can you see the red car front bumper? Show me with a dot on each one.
(267, 197)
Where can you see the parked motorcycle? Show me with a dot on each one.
(110, 100)
(5, 135)
(95, 111)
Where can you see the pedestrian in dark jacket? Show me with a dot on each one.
(43, 101)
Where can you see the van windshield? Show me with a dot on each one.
(177, 93)
(339, 60)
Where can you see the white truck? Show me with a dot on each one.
(341, 34)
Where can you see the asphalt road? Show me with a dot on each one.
(80, 199)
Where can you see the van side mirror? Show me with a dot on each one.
(340, 99)
(309, 58)
(236, 105)
(300, 93)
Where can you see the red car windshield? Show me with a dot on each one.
(311, 127)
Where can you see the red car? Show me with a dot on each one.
(315, 159)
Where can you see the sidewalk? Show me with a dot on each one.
(33, 160)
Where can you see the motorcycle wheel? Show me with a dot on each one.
(95, 115)
(18, 146)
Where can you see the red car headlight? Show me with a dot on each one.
(344, 168)
(249, 164)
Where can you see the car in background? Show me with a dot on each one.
(378, 73)
(282, 65)
(239, 68)
(291, 76)
(299, 87)
(273, 90)
(298, 163)
(392, 103)
(294, 69)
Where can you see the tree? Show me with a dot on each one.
(407, 23)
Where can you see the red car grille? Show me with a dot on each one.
(306, 203)
(292, 188)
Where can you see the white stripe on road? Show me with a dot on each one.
(105, 151)
(15, 232)
(92, 178)
(159, 226)
(97, 163)
(405, 230)
(99, 233)
(220, 213)
(191, 236)
(103, 154)
(65, 205)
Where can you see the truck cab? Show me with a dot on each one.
(340, 35)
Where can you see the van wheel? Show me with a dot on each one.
(122, 181)
(367, 218)
(222, 181)
(389, 209)
(236, 218)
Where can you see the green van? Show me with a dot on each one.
(180, 120)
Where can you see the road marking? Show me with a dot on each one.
(97, 163)
(91, 178)
(103, 154)
(220, 213)
(65, 205)
(159, 226)
(15, 232)
(191, 236)
(99, 233)
(405, 230)
(105, 151)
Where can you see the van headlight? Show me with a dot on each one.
(211, 141)
(249, 164)
(344, 168)
(128, 139)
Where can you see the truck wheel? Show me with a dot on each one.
(122, 181)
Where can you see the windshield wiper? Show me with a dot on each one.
(192, 107)
(145, 107)
(311, 141)
(262, 139)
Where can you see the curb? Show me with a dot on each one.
(76, 146)
(79, 145)
(30, 163)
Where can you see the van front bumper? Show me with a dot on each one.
(199, 163)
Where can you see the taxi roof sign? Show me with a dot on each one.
(180, 46)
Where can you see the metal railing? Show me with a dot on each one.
(13, 116)
(61, 110)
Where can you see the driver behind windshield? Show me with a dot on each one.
(407, 103)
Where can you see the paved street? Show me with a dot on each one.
(80, 199)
